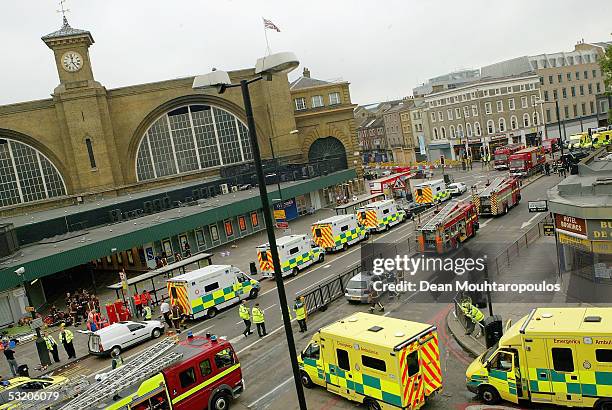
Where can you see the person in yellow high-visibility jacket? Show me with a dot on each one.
(65, 338)
(299, 308)
(259, 320)
(52, 346)
(245, 315)
(474, 315)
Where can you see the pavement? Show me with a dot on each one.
(265, 363)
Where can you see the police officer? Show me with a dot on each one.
(148, 314)
(245, 315)
(65, 338)
(299, 307)
(52, 346)
(474, 315)
(259, 320)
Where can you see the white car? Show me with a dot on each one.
(121, 335)
(457, 188)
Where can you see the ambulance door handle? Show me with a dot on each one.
(574, 377)
(544, 375)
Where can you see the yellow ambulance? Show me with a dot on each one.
(382, 362)
(560, 356)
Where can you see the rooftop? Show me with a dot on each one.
(67, 31)
(570, 321)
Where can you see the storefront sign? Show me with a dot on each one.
(549, 229)
(602, 247)
(582, 244)
(538, 206)
(289, 208)
(571, 225)
(599, 229)
(279, 214)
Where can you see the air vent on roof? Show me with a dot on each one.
(592, 319)
(547, 315)
(375, 329)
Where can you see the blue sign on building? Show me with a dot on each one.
(290, 207)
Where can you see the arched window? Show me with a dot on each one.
(525, 120)
(502, 125)
(513, 122)
(453, 134)
(435, 133)
(536, 118)
(490, 127)
(192, 138)
(26, 174)
(443, 132)
(477, 129)
(468, 129)
(460, 130)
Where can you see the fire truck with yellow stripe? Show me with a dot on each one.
(205, 291)
(381, 215)
(498, 197)
(295, 252)
(452, 225)
(338, 232)
(382, 362)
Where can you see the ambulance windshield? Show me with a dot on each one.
(489, 352)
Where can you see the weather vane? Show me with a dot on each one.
(62, 9)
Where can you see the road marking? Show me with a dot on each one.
(270, 392)
(327, 266)
(482, 225)
(260, 339)
(271, 306)
(237, 338)
(529, 221)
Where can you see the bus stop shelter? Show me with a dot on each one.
(155, 280)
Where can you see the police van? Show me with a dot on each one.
(338, 232)
(381, 215)
(382, 362)
(431, 192)
(295, 252)
(560, 356)
(205, 291)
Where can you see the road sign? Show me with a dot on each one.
(549, 229)
(538, 206)
(282, 225)
(36, 323)
(279, 214)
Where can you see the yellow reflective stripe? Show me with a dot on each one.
(204, 384)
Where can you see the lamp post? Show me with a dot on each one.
(561, 138)
(276, 163)
(264, 69)
(41, 345)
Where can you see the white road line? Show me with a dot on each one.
(270, 392)
(237, 338)
(260, 339)
(271, 306)
(482, 225)
(326, 266)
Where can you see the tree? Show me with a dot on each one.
(606, 70)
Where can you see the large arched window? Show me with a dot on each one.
(453, 134)
(536, 118)
(26, 174)
(460, 130)
(502, 124)
(477, 129)
(490, 127)
(435, 133)
(468, 129)
(443, 132)
(513, 122)
(525, 120)
(192, 138)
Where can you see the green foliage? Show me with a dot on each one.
(606, 68)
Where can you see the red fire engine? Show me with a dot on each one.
(455, 223)
(497, 197)
(502, 154)
(527, 161)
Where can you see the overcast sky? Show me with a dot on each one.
(383, 48)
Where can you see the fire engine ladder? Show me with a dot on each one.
(492, 187)
(149, 362)
(438, 218)
(65, 391)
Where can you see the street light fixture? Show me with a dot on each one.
(41, 345)
(265, 68)
(276, 163)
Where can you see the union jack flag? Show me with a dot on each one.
(270, 25)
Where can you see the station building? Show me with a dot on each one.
(96, 179)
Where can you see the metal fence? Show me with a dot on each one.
(321, 295)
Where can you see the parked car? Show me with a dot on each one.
(412, 208)
(358, 288)
(457, 188)
(121, 335)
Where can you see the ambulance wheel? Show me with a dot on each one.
(387, 227)
(321, 257)
(211, 312)
(221, 401)
(603, 405)
(344, 246)
(306, 382)
(253, 293)
(489, 394)
(371, 404)
(156, 333)
(294, 272)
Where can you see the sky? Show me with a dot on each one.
(383, 48)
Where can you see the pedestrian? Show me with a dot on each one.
(117, 361)
(9, 353)
(187, 249)
(148, 315)
(177, 314)
(374, 300)
(299, 307)
(245, 315)
(66, 337)
(547, 168)
(52, 346)
(137, 304)
(259, 320)
(145, 298)
(165, 311)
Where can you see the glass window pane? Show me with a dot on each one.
(9, 192)
(180, 126)
(228, 137)
(28, 172)
(161, 148)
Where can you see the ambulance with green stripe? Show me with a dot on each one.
(295, 252)
(338, 232)
(431, 192)
(205, 291)
(382, 362)
(560, 356)
(380, 215)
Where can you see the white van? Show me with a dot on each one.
(338, 232)
(380, 215)
(295, 252)
(205, 291)
(121, 335)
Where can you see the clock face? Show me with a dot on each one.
(72, 61)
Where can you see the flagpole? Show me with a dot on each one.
(266, 35)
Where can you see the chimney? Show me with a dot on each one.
(306, 73)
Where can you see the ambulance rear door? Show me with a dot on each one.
(179, 294)
(413, 386)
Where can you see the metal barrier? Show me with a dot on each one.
(319, 297)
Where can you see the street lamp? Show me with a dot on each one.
(265, 68)
(276, 163)
(561, 139)
(41, 345)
